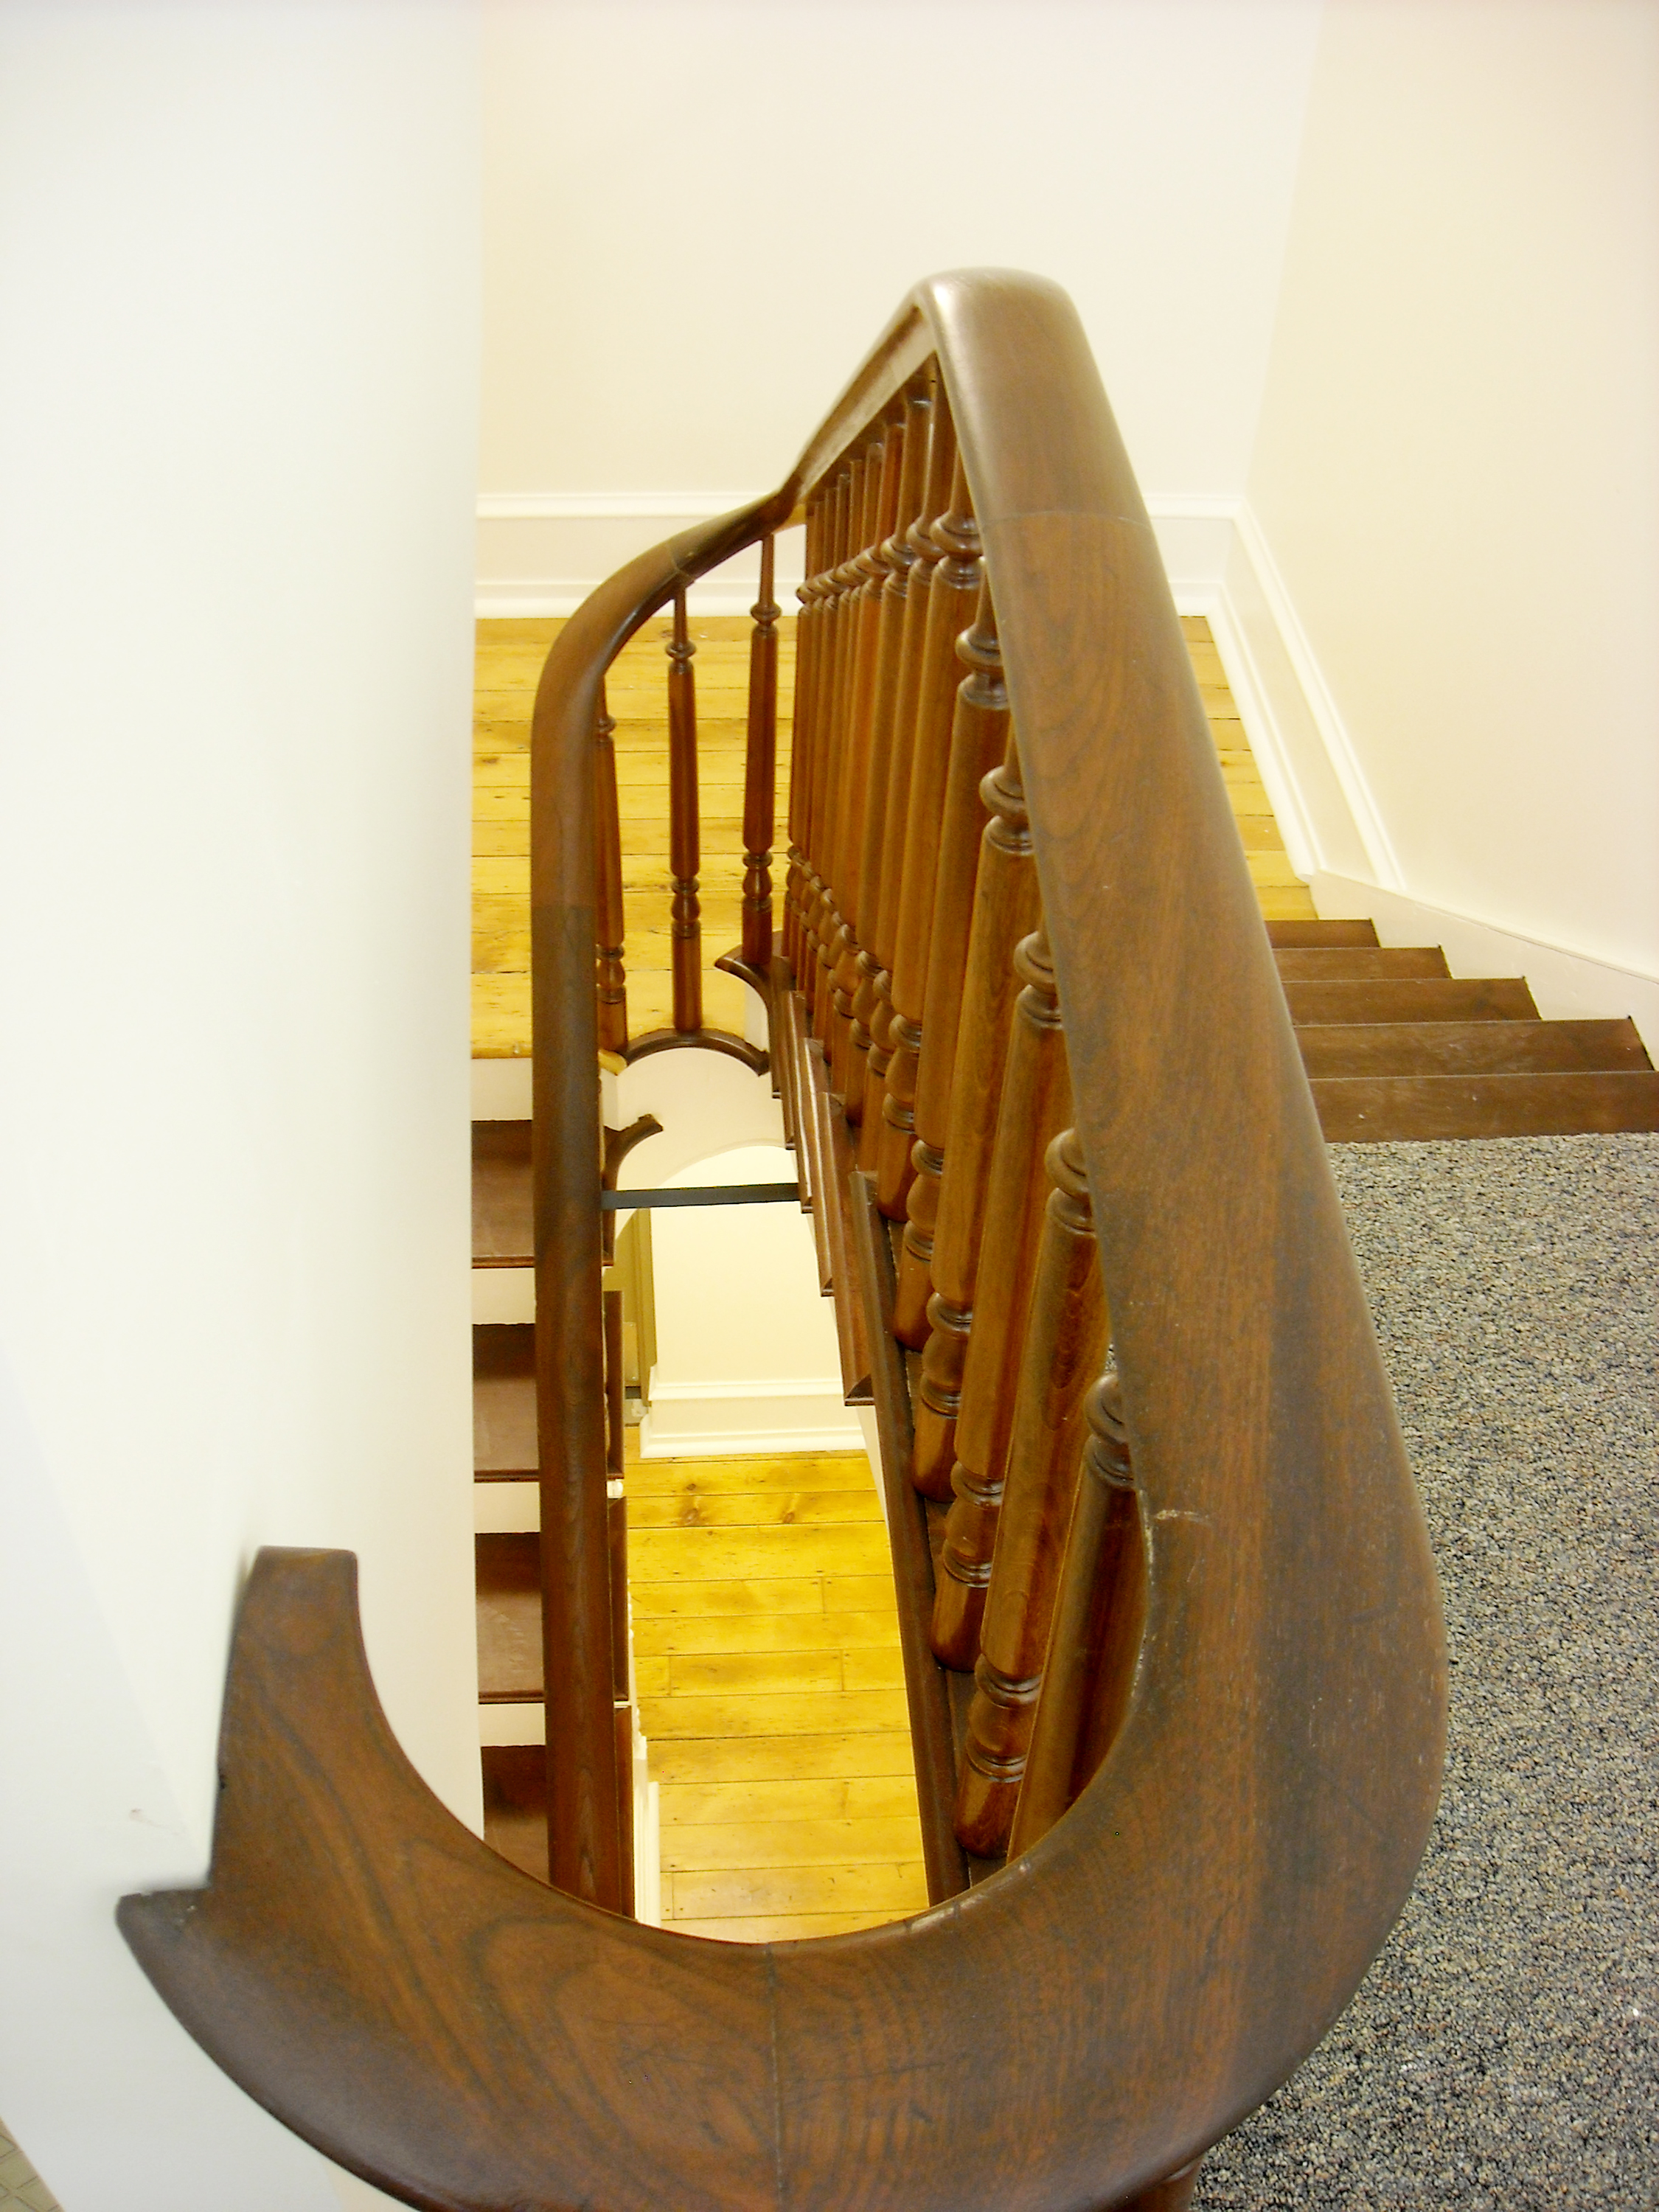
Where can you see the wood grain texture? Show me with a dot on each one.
(455, 2033)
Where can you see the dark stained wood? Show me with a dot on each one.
(800, 746)
(979, 740)
(875, 859)
(1065, 1346)
(1470, 1048)
(761, 770)
(501, 1234)
(618, 1144)
(847, 1068)
(515, 1805)
(1338, 963)
(1035, 1107)
(459, 2036)
(684, 837)
(504, 1401)
(884, 917)
(508, 1572)
(926, 1684)
(1287, 934)
(1500, 998)
(1006, 910)
(953, 594)
(1099, 1618)
(1396, 1108)
(852, 1320)
(612, 926)
(614, 1399)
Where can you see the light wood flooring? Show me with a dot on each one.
(766, 1640)
(509, 661)
(772, 1696)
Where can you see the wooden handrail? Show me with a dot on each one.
(1071, 2031)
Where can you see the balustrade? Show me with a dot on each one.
(966, 505)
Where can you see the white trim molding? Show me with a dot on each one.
(542, 552)
(730, 1419)
(1328, 816)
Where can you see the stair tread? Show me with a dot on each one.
(1285, 935)
(501, 1204)
(1390, 1049)
(1319, 963)
(515, 1804)
(1424, 998)
(508, 1569)
(504, 1401)
(1382, 1108)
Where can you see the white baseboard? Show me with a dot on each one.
(542, 553)
(1565, 986)
(731, 1419)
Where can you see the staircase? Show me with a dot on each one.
(1170, 1627)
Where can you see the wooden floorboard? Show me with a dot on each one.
(509, 657)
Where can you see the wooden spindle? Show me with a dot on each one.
(1036, 1105)
(871, 563)
(823, 736)
(612, 974)
(1005, 909)
(979, 739)
(1065, 1344)
(1099, 1614)
(935, 501)
(953, 595)
(760, 776)
(851, 577)
(900, 558)
(616, 1401)
(824, 589)
(806, 641)
(685, 923)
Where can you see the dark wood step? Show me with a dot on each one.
(1470, 1048)
(1322, 963)
(501, 1225)
(515, 1804)
(1378, 1109)
(1285, 934)
(504, 1401)
(509, 1619)
(1430, 998)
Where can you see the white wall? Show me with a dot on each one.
(238, 389)
(1457, 474)
(701, 213)
(747, 1360)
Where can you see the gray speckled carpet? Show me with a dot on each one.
(1502, 2052)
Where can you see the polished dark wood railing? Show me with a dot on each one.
(1170, 1627)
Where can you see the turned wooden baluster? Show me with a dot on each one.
(871, 563)
(953, 595)
(823, 659)
(979, 739)
(1036, 1105)
(612, 927)
(851, 577)
(800, 750)
(849, 499)
(936, 499)
(685, 925)
(760, 778)
(616, 1532)
(1005, 909)
(899, 558)
(1065, 1344)
(1099, 1613)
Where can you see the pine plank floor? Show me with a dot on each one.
(771, 1693)
(509, 661)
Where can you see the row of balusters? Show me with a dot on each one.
(913, 925)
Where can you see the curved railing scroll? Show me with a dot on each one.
(1071, 2032)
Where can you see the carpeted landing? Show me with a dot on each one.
(1502, 2053)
